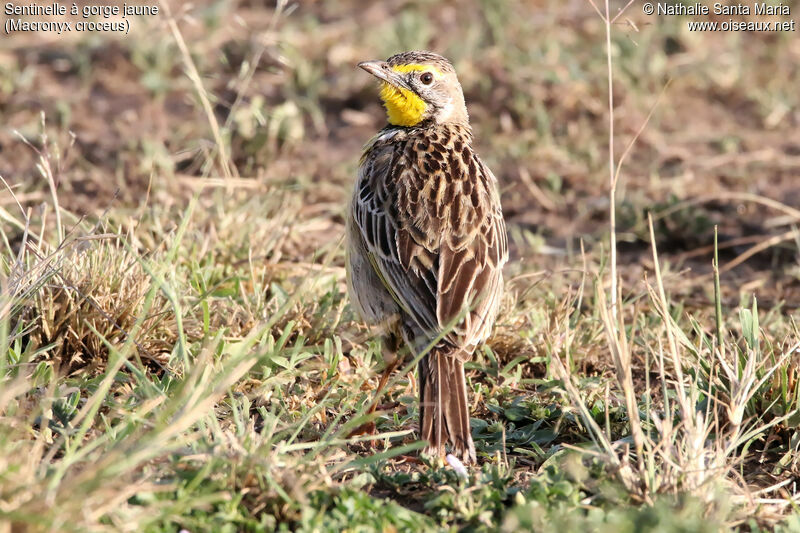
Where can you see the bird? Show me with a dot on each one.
(426, 240)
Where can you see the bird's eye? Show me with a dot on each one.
(426, 78)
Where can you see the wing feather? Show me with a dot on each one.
(471, 264)
(441, 260)
(412, 288)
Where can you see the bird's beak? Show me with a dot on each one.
(382, 71)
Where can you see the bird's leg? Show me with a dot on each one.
(387, 373)
(369, 427)
(392, 363)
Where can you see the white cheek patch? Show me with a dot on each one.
(446, 111)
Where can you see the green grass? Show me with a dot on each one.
(180, 353)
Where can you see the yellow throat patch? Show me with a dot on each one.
(403, 107)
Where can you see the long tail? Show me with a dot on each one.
(444, 411)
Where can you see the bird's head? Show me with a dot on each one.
(418, 87)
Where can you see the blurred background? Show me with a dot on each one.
(177, 352)
(281, 82)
